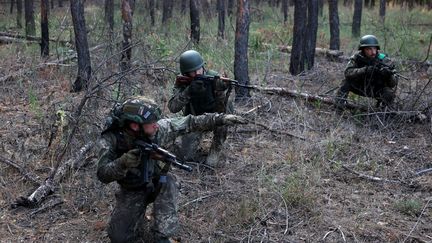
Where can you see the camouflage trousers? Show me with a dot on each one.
(383, 94)
(191, 141)
(128, 222)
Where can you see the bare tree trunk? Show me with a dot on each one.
(334, 25)
(320, 7)
(183, 6)
(285, 10)
(109, 18)
(311, 33)
(84, 63)
(356, 24)
(241, 70)
(195, 22)
(166, 11)
(230, 8)
(30, 27)
(382, 10)
(44, 6)
(297, 59)
(60, 3)
(12, 3)
(52, 4)
(126, 54)
(221, 18)
(152, 12)
(19, 13)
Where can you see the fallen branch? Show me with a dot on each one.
(10, 40)
(421, 172)
(29, 38)
(28, 175)
(48, 205)
(367, 177)
(318, 50)
(278, 131)
(54, 179)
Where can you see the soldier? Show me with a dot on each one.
(369, 74)
(139, 173)
(197, 98)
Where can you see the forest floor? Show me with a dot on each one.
(272, 187)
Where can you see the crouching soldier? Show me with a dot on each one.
(139, 172)
(370, 74)
(199, 97)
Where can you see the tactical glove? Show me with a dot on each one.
(130, 159)
(197, 86)
(386, 72)
(233, 119)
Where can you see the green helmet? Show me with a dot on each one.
(138, 109)
(190, 61)
(368, 40)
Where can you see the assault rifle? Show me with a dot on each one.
(161, 154)
(380, 63)
(180, 79)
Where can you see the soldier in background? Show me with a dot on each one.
(139, 173)
(369, 73)
(199, 97)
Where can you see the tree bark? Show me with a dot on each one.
(285, 4)
(152, 12)
(195, 22)
(60, 3)
(221, 18)
(30, 28)
(299, 31)
(126, 53)
(109, 18)
(166, 11)
(12, 3)
(19, 13)
(230, 8)
(183, 6)
(311, 33)
(81, 44)
(356, 24)
(320, 7)
(241, 70)
(334, 25)
(382, 10)
(44, 6)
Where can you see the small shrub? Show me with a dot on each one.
(410, 207)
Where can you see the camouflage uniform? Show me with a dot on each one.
(360, 80)
(212, 100)
(126, 224)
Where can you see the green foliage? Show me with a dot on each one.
(410, 207)
(34, 104)
(297, 192)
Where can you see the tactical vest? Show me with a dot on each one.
(204, 102)
(140, 177)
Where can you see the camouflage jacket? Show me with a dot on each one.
(110, 149)
(356, 72)
(182, 99)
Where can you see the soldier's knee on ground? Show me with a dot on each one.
(388, 96)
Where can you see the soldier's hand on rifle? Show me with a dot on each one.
(386, 71)
(370, 70)
(233, 119)
(197, 86)
(130, 159)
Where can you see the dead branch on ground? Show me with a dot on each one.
(28, 175)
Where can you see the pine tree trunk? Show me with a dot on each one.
(382, 10)
(356, 24)
(230, 8)
(285, 10)
(44, 6)
(311, 33)
(320, 7)
(19, 13)
(334, 25)
(183, 6)
(12, 3)
(30, 28)
(297, 59)
(166, 5)
(127, 12)
(241, 70)
(152, 12)
(221, 18)
(195, 22)
(81, 44)
(109, 17)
